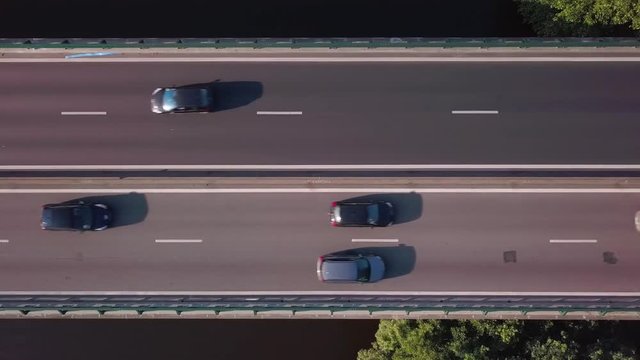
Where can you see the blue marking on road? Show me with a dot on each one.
(90, 55)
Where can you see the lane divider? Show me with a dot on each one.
(573, 241)
(179, 241)
(474, 112)
(278, 112)
(375, 240)
(101, 113)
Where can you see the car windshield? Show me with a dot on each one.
(81, 218)
(169, 100)
(363, 269)
(373, 214)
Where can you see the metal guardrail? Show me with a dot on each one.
(295, 43)
(323, 306)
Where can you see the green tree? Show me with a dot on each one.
(504, 339)
(552, 350)
(582, 17)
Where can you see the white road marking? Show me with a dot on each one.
(573, 241)
(474, 112)
(323, 293)
(278, 112)
(334, 167)
(83, 113)
(164, 241)
(375, 240)
(326, 190)
(4, 241)
(345, 59)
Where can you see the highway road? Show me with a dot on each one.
(337, 113)
(532, 242)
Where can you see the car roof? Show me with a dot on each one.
(58, 216)
(352, 213)
(339, 269)
(187, 97)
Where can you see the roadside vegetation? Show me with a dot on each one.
(504, 339)
(589, 18)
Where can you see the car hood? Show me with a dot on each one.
(156, 101)
(102, 217)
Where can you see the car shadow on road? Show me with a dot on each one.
(234, 94)
(398, 260)
(127, 209)
(229, 95)
(408, 206)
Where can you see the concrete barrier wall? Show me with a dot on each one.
(296, 43)
(61, 305)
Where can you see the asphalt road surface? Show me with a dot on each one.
(270, 242)
(345, 113)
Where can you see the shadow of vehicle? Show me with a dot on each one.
(408, 206)
(127, 209)
(233, 94)
(398, 260)
(229, 95)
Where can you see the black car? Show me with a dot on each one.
(76, 216)
(182, 99)
(374, 213)
(350, 268)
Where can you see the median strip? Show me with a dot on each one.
(332, 59)
(323, 190)
(346, 167)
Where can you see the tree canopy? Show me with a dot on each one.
(503, 339)
(582, 17)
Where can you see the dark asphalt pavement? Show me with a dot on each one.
(270, 242)
(353, 113)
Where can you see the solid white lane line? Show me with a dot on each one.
(346, 59)
(474, 112)
(326, 190)
(375, 240)
(278, 112)
(327, 293)
(164, 241)
(334, 167)
(4, 241)
(83, 113)
(573, 241)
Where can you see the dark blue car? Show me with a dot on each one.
(77, 216)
